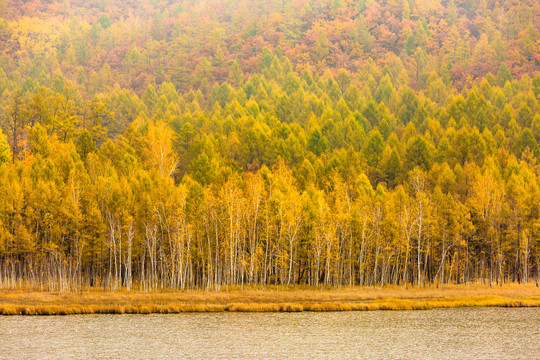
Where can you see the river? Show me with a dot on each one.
(479, 333)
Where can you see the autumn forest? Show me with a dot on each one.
(186, 144)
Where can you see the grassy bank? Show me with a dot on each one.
(19, 302)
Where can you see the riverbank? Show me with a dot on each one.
(274, 299)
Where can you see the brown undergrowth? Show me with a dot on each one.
(20, 302)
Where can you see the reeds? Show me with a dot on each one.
(269, 295)
(380, 304)
(276, 299)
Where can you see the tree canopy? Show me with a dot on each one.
(315, 142)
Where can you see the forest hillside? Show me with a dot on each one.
(196, 144)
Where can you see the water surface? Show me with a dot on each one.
(482, 333)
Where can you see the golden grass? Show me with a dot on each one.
(19, 302)
(387, 304)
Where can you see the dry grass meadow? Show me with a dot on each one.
(20, 302)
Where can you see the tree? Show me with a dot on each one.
(14, 123)
(392, 168)
(203, 171)
(420, 61)
(374, 148)
(316, 142)
(98, 121)
(487, 200)
(421, 213)
(85, 144)
(418, 153)
(105, 21)
(503, 75)
(158, 148)
(5, 151)
(408, 106)
(526, 140)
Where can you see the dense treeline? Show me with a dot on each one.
(192, 44)
(286, 169)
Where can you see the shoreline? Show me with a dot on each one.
(20, 302)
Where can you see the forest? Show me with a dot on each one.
(185, 144)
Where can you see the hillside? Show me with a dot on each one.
(185, 144)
